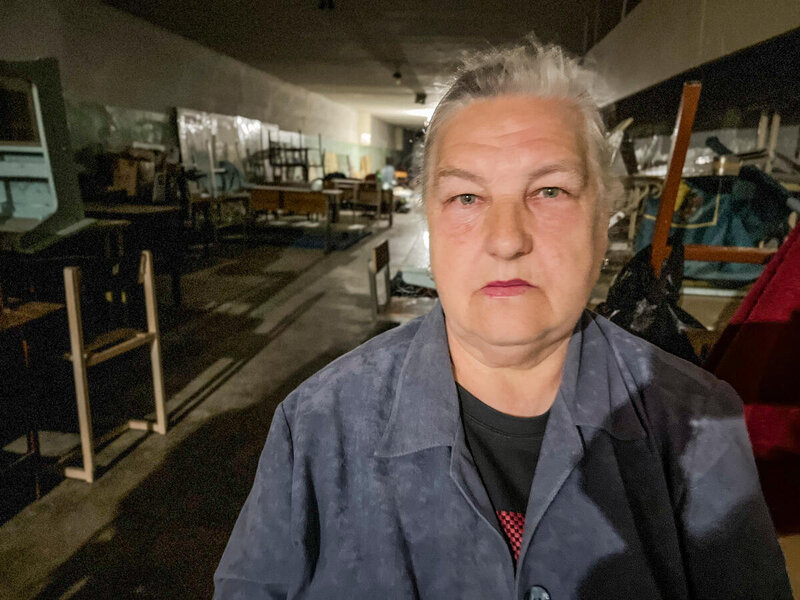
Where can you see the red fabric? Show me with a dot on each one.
(513, 524)
(776, 294)
(774, 430)
(759, 355)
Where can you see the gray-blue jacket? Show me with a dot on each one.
(645, 486)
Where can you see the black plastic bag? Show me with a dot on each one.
(648, 307)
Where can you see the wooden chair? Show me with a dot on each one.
(370, 196)
(394, 309)
(350, 189)
(680, 145)
(107, 346)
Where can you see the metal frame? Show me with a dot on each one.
(29, 235)
(31, 159)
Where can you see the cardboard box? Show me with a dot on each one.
(125, 176)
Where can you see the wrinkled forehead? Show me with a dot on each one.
(510, 129)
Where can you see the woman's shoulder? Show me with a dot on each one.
(663, 377)
(357, 380)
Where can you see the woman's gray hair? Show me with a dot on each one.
(530, 69)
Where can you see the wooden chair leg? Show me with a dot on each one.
(86, 473)
(328, 233)
(373, 290)
(72, 283)
(683, 132)
(160, 425)
(151, 307)
(387, 283)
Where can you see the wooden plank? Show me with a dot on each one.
(96, 208)
(72, 285)
(369, 198)
(151, 307)
(731, 254)
(265, 199)
(222, 199)
(18, 316)
(761, 135)
(108, 339)
(686, 113)
(380, 256)
(774, 128)
(290, 188)
(305, 202)
(121, 348)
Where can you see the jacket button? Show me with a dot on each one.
(537, 592)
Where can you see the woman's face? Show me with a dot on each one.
(516, 232)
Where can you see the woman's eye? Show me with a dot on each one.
(550, 192)
(467, 199)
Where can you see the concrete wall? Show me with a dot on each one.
(112, 58)
(661, 38)
(381, 134)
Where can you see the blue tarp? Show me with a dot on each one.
(724, 211)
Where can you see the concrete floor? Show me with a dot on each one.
(154, 524)
(255, 323)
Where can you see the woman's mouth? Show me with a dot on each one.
(511, 287)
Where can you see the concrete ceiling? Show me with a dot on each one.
(349, 53)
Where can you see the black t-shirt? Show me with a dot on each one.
(506, 450)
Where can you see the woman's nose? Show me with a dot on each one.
(507, 235)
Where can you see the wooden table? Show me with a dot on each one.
(204, 202)
(297, 199)
(350, 187)
(372, 195)
(39, 275)
(273, 198)
(157, 227)
(17, 317)
(125, 210)
(18, 322)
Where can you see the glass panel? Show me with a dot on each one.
(17, 116)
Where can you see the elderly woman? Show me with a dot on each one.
(509, 444)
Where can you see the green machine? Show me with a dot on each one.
(40, 202)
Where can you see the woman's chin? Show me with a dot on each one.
(505, 331)
(519, 324)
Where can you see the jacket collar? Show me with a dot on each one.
(425, 413)
(596, 389)
(597, 385)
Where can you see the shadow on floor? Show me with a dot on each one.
(171, 530)
(192, 341)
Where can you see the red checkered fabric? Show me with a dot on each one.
(513, 524)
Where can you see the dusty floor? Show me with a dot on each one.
(254, 324)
